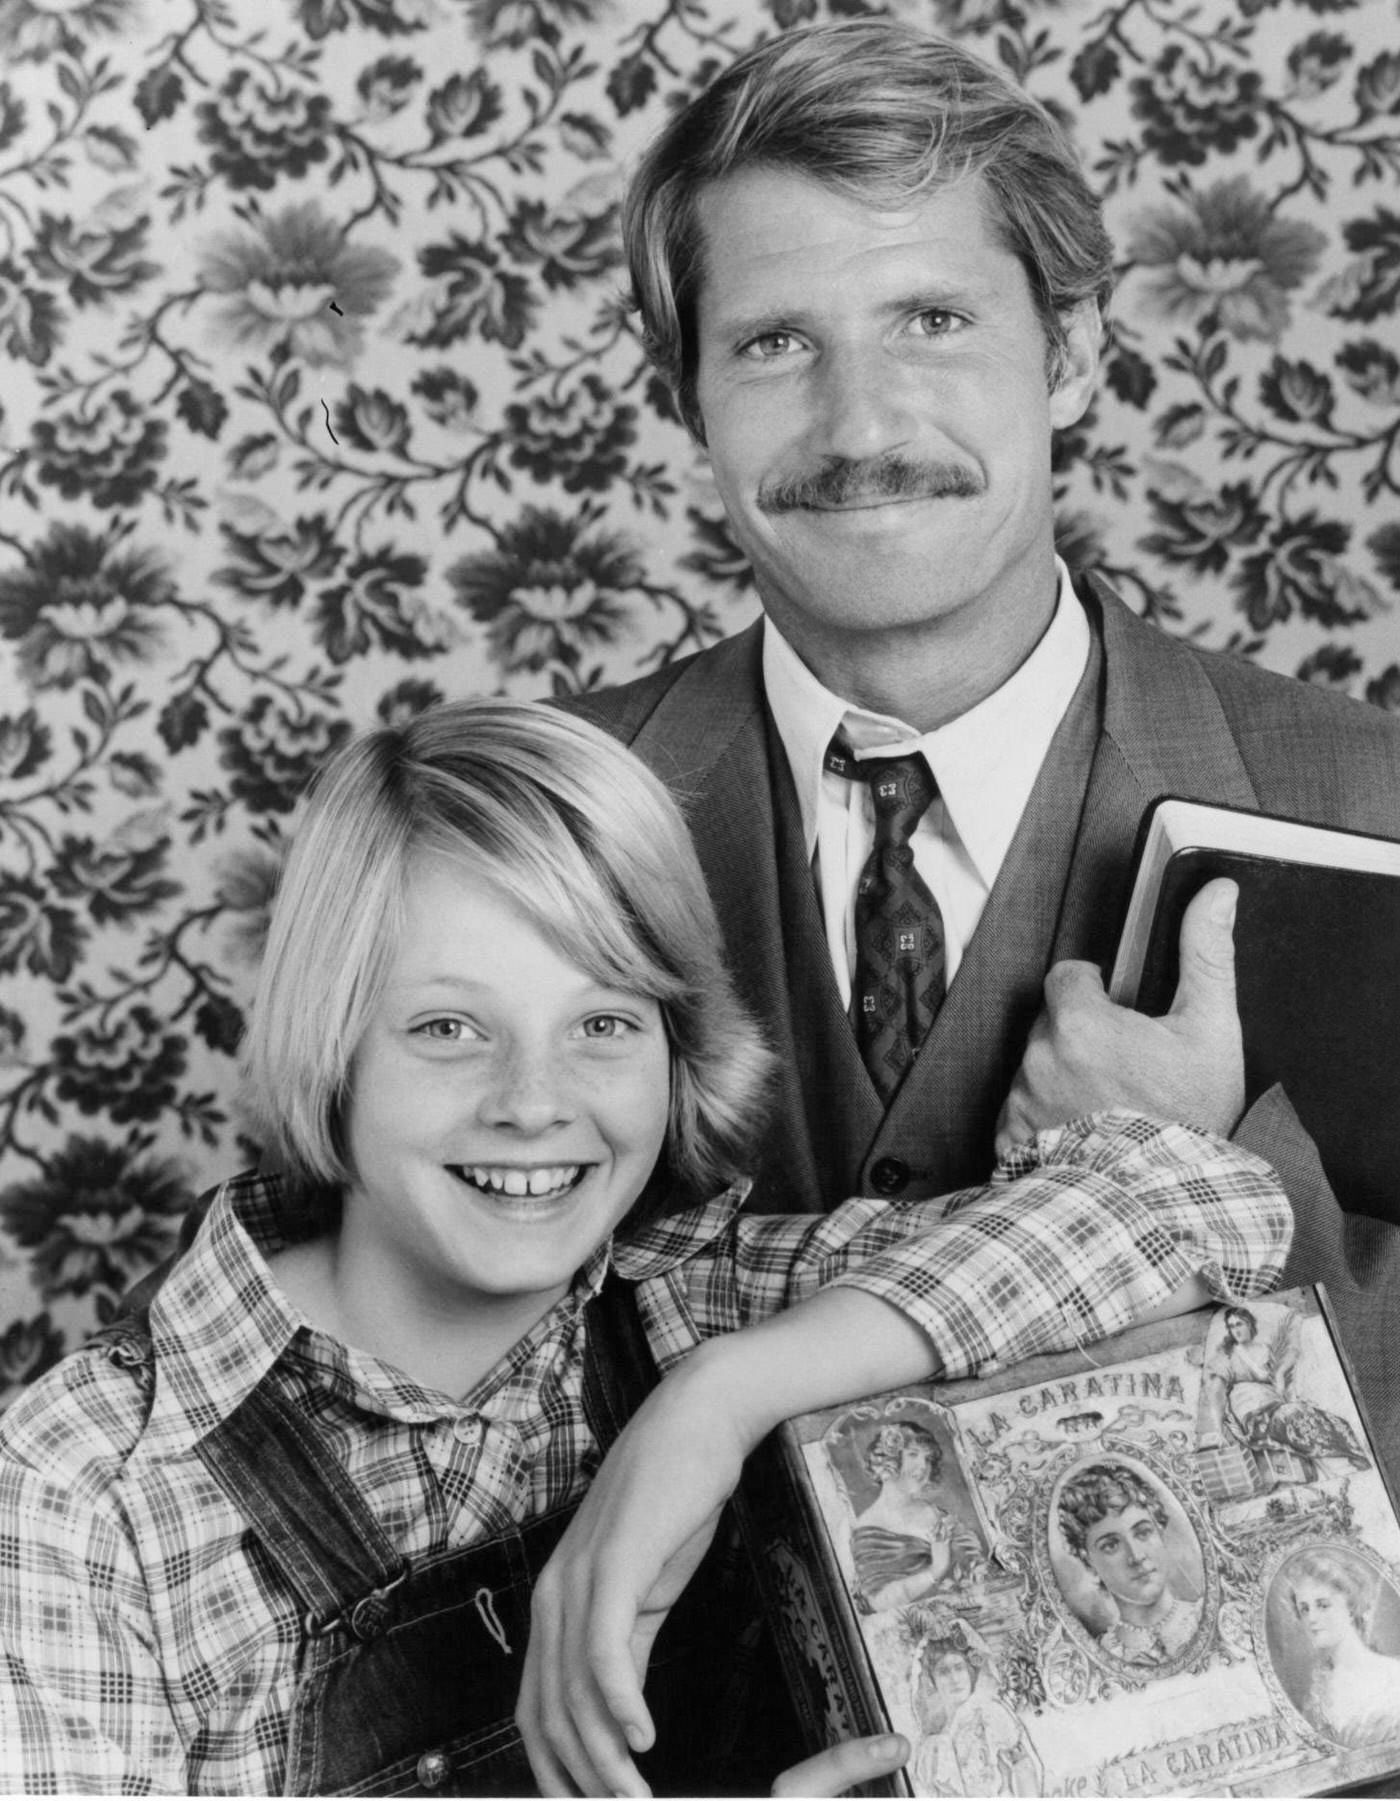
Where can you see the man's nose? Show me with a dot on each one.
(862, 402)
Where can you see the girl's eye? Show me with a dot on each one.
(445, 1031)
(606, 1025)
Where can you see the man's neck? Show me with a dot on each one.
(924, 675)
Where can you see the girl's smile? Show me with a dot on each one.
(506, 1110)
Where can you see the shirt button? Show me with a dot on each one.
(889, 1175)
(434, 1767)
(467, 1430)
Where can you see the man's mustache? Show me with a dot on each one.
(849, 481)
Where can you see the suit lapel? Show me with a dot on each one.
(1061, 893)
(953, 1092)
(1154, 726)
(707, 740)
(1164, 732)
(843, 1108)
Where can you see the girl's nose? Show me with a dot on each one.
(529, 1090)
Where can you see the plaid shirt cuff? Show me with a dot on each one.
(1078, 1234)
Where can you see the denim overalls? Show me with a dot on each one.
(410, 1671)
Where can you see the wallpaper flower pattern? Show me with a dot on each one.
(319, 403)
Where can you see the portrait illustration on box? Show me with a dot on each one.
(916, 1531)
(1171, 1571)
(970, 1743)
(1127, 1561)
(1256, 1415)
(1332, 1628)
(917, 1549)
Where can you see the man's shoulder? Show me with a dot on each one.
(696, 681)
(1311, 751)
(1263, 699)
(1259, 697)
(625, 709)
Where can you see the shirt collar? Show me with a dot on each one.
(985, 761)
(661, 1244)
(220, 1321)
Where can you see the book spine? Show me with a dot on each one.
(809, 1606)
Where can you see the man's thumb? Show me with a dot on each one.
(1207, 979)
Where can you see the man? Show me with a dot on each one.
(876, 279)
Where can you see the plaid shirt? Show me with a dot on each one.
(144, 1651)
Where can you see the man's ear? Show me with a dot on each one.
(1077, 370)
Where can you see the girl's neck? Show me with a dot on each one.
(1151, 1615)
(1343, 1657)
(435, 1336)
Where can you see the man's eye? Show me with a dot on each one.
(769, 345)
(934, 322)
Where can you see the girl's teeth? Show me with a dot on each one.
(523, 1181)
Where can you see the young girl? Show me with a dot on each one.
(278, 1532)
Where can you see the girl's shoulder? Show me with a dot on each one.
(78, 1424)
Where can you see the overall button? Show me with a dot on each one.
(369, 1616)
(890, 1175)
(467, 1430)
(434, 1767)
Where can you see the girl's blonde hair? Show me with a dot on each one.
(575, 831)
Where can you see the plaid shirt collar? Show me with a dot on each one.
(221, 1321)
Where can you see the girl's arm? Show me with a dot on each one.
(1098, 1224)
(83, 1706)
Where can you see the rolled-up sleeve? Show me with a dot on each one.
(1077, 1235)
(83, 1707)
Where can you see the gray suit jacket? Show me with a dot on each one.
(1169, 719)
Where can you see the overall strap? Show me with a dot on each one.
(619, 1371)
(276, 1466)
(310, 1518)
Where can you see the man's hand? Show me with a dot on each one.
(1086, 1055)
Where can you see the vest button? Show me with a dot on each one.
(889, 1175)
(434, 1767)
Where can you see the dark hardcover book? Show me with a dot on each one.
(1317, 955)
(1169, 1565)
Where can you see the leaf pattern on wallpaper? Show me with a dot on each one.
(320, 402)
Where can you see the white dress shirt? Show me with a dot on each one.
(985, 764)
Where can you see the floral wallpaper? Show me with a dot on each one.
(319, 402)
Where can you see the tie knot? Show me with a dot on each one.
(901, 788)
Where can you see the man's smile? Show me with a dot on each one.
(843, 485)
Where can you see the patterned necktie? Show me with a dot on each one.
(899, 976)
